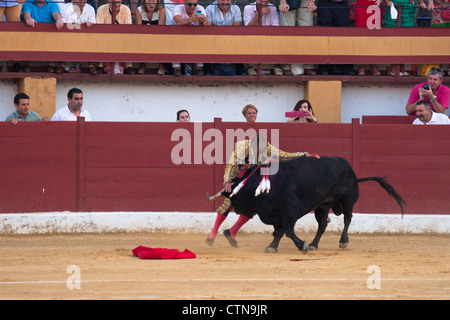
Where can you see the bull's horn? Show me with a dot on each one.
(214, 197)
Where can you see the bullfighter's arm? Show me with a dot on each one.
(285, 155)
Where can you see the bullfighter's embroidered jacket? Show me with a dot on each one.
(243, 155)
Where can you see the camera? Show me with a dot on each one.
(426, 87)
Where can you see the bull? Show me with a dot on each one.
(300, 186)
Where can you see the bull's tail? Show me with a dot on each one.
(389, 189)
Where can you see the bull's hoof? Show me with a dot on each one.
(230, 239)
(305, 248)
(209, 241)
(313, 247)
(343, 245)
(270, 250)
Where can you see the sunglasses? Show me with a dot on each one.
(191, 4)
(436, 69)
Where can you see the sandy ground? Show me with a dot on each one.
(101, 266)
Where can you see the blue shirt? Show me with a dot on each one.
(41, 14)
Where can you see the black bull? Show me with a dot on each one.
(300, 186)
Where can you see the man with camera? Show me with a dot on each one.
(432, 91)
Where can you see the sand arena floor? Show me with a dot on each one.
(101, 266)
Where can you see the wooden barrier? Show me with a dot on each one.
(218, 44)
(387, 119)
(122, 166)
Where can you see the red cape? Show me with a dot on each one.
(162, 253)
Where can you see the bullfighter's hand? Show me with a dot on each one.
(227, 186)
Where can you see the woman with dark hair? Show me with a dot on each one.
(183, 116)
(304, 106)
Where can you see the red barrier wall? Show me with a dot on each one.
(117, 166)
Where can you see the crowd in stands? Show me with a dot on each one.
(428, 100)
(341, 13)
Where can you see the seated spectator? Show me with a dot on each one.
(426, 116)
(123, 16)
(183, 116)
(269, 18)
(432, 91)
(250, 113)
(42, 11)
(73, 109)
(151, 13)
(74, 14)
(23, 112)
(223, 13)
(193, 14)
(305, 106)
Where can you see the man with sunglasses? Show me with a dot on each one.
(190, 14)
(432, 91)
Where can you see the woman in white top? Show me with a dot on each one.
(152, 13)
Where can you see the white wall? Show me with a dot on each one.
(160, 102)
(140, 101)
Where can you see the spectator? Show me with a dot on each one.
(426, 116)
(368, 19)
(193, 14)
(436, 94)
(440, 17)
(74, 14)
(170, 5)
(151, 13)
(78, 12)
(305, 106)
(334, 13)
(408, 19)
(11, 10)
(269, 18)
(250, 113)
(123, 16)
(297, 12)
(223, 13)
(42, 11)
(73, 109)
(183, 116)
(23, 112)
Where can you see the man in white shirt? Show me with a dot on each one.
(426, 116)
(189, 14)
(76, 13)
(73, 109)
